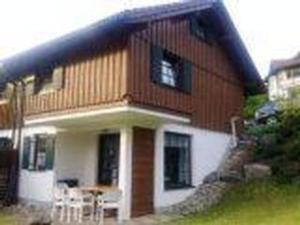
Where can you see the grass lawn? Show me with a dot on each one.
(6, 219)
(256, 203)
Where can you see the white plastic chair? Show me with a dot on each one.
(108, 200)
(77, 202)
(59, 200)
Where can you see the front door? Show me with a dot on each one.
(108, 170)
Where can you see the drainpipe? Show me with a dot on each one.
(233, 121)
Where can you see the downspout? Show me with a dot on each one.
(233, 121)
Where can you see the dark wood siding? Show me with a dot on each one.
(5, 116)
(121, 73)
(91, 80)
(142, 172)
(217, 92)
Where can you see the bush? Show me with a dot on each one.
(278, 144)
(253, 103)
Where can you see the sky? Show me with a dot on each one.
(268, 27)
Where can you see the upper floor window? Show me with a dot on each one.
(38, 152)
(2, 95)
(200, 29)
(171, 70)
(5, 92)
(46, 79)
(292, 73)
(171, 67)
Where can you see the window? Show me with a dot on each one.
(177, 161)
(200, 29)
(44, 79)
(38, 152)
(6, 91)
(47, 79)
(171, 70)
(293, 73)
(5, 143)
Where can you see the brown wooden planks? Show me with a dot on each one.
(142, 172)
(89, 80)
(217, 93)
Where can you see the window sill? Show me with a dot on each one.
(37, 171)
(181, 188)
(46, 91)
(176, 89)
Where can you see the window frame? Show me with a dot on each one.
(44, 80)
(183, 69)
(293, 73)
(198, 25)
(34, 150)
(47, 79)
(189, 183)
(176, 66)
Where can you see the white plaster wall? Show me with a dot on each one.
(36, 185)
(208, 149)
(76, 157)
(279, 85)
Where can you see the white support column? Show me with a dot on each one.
(125, 172)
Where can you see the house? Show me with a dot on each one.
(284, 78)
(148, 100)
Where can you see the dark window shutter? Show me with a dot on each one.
(58, 78)
(50, 152)
(156, 58)
(26, 152)
(186, 80)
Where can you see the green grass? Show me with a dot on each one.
(256, 203)
(7, 219)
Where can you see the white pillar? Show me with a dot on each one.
(125, 172)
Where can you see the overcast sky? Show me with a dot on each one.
(269, 28)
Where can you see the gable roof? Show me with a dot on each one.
(281, 64)
(121, 22)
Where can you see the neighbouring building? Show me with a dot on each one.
(284, 78)
(146, 100)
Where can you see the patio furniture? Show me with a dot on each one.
(59, 202)
(108, 200)
(99, 189)
(78, 201)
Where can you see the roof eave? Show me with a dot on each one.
(238, 50)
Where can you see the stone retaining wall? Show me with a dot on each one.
(204, 197)
(215, 184)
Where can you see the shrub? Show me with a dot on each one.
(278, 144)
(253, 103)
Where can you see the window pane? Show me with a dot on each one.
(177, 161)
(168, 70)
(32, 154)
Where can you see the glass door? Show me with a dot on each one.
(108, 170)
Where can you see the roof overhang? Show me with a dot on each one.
(107, 117)
(119, 25)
